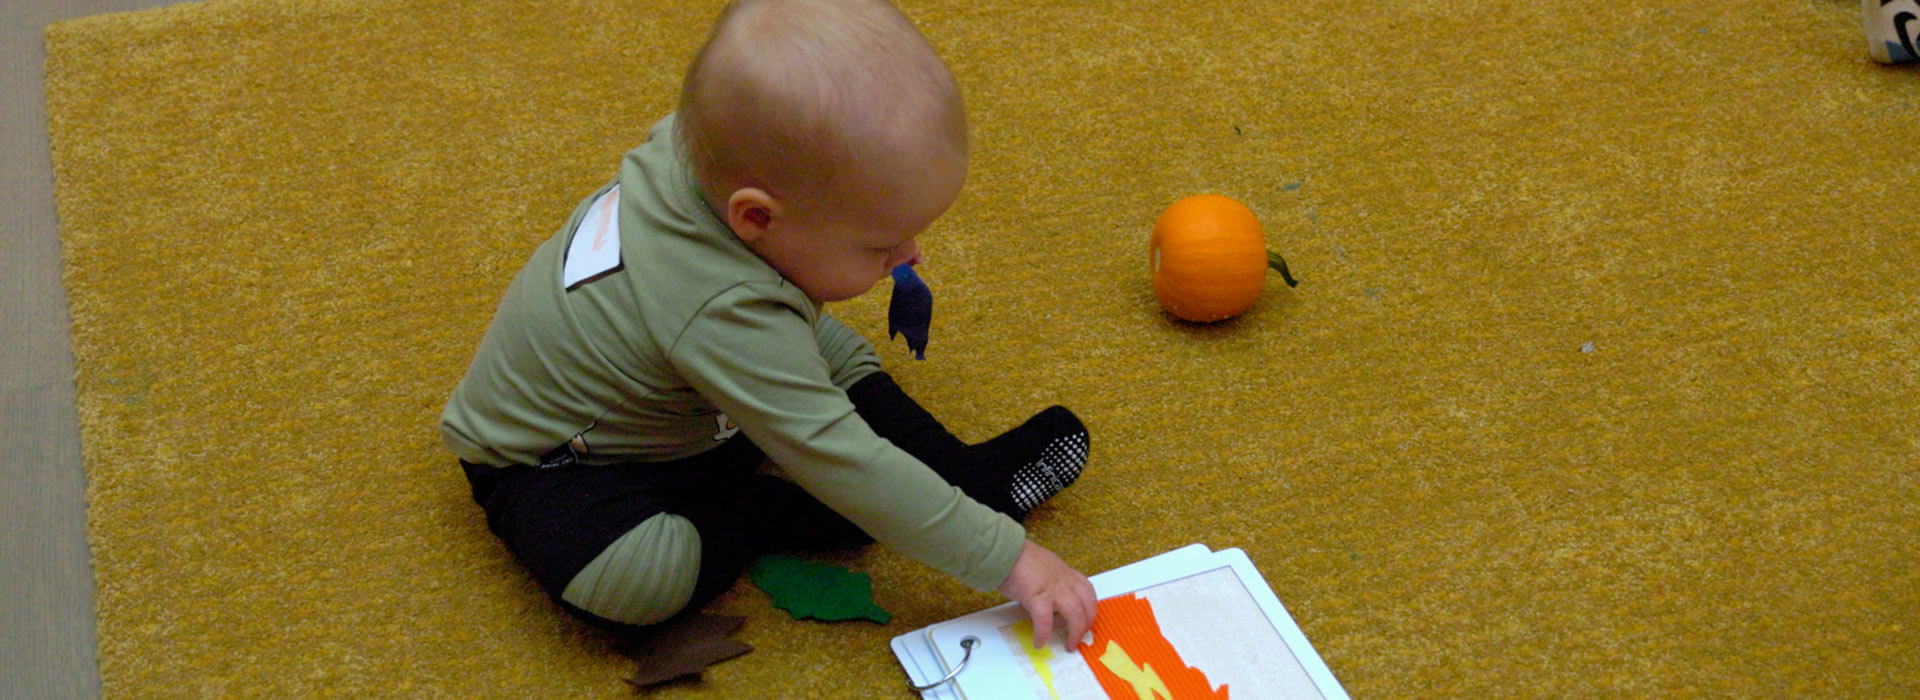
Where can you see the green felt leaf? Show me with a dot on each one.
(807, 589)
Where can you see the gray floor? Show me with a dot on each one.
(46, 609)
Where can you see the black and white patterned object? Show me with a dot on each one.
(1059, 464)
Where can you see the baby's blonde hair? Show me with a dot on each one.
(797, 96)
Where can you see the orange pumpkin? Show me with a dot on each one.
(1209, 258)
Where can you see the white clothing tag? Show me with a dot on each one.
(727, 428)
(595, 248)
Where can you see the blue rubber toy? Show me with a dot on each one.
(910, 311)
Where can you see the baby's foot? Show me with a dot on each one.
(1037, 459)
(1892, 27)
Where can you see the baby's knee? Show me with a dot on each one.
(644, 577)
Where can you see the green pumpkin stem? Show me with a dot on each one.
(1278, 263)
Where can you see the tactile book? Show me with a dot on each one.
(1190, 623)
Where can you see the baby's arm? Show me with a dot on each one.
(849, 357)
(757, 359)
(1040, 581)
(1046, 586)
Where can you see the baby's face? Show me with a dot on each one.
(838, 250)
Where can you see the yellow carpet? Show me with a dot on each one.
(1600, 379)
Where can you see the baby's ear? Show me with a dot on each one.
(751, 213)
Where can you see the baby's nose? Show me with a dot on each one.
(907, 253)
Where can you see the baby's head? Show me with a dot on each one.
(827, 134)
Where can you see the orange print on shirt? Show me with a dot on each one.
(1134, 661)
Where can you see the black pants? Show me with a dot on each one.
(557, 520)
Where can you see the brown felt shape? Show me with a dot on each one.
(681, 647)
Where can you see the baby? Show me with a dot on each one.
(660, 397)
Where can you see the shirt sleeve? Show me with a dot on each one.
(849, 357)
(755, 358)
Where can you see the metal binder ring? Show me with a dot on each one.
(967, 643)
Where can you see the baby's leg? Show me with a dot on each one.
(1012, 473)
(643, 578)
(597, 539)
(686, 557)
(629, 544)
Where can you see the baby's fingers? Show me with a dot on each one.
(1091, 604)
(1041, 610)
(1077, 622)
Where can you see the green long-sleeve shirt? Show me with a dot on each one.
(659, 353)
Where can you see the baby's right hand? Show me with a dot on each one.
(1046, 586)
